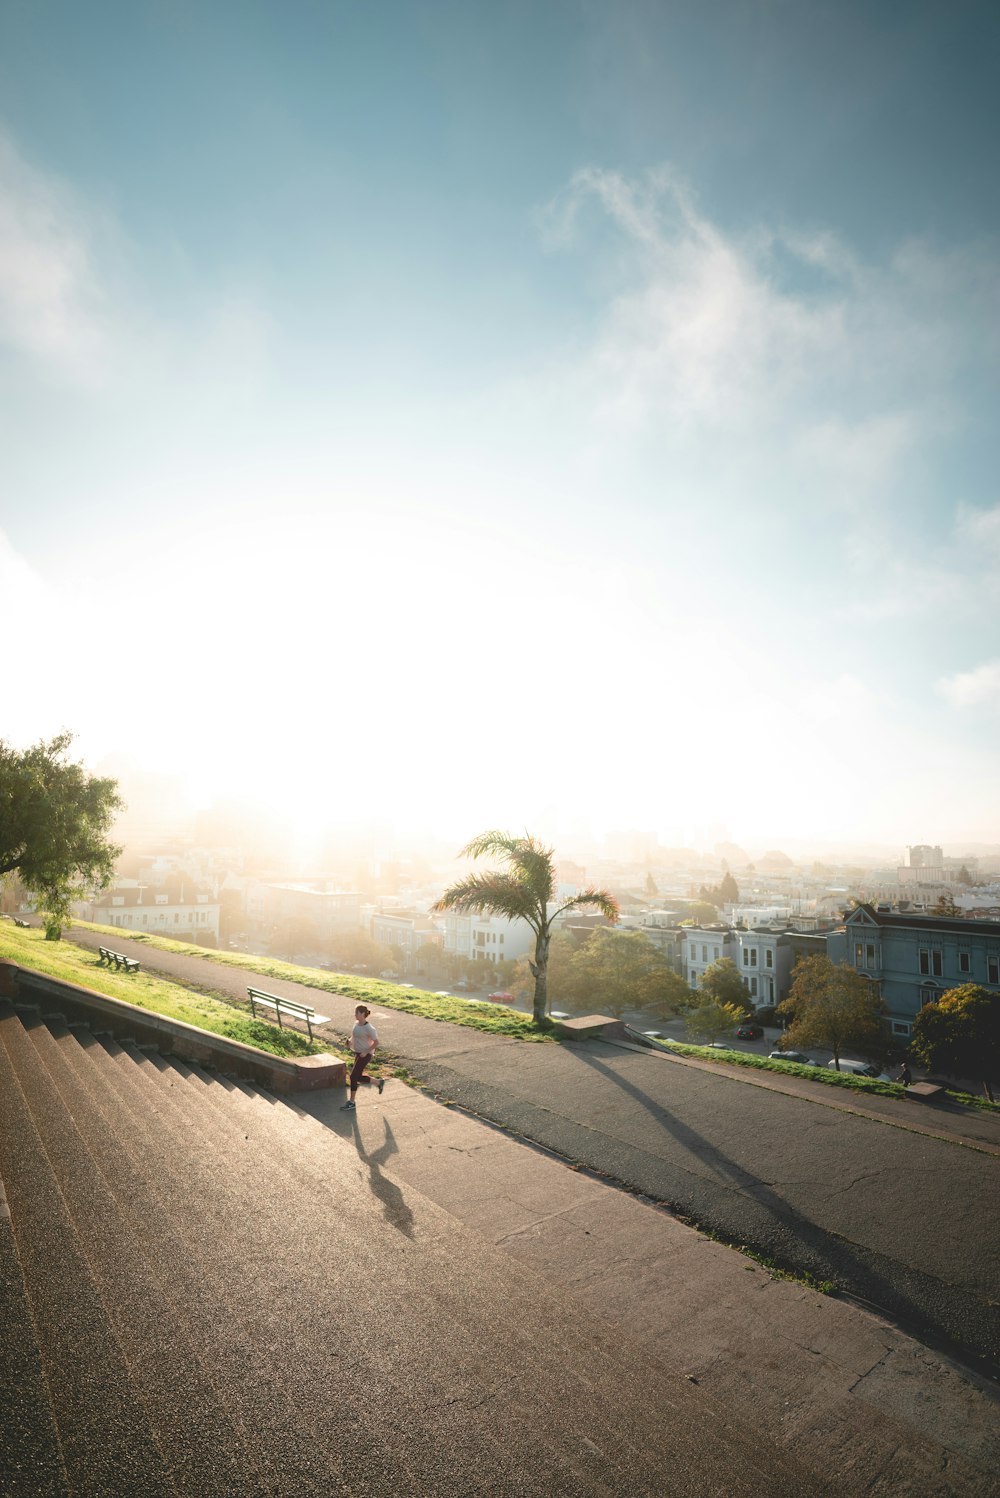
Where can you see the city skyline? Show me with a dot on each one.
(519, 419)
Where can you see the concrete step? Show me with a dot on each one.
(391, 1353)
(107, 1442)
(402, 1383)
(32, 1463)
(189, 1234)
(205, 1456)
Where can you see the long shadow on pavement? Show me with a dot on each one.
(908, 1295)
(397, 1213)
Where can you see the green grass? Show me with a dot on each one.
(497, 1019)
(197, 1007)
(774, 1269)
(827, 1074)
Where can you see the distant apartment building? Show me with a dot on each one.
(271, 906)
(486, 938)
(404, 931)
(912, 958)
(925, 865)
(761, 915)
(179, 909)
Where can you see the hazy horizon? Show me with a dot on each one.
(549, 418)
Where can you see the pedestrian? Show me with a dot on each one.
(364, 1043)
(904, 1075)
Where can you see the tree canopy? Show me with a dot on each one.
(618, 970)
(709, 1019)
(726, 892)
(960, 1035)
(722, 982)
(832, 1005)
(54, 825)
(523, 888)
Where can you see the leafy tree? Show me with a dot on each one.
(651, 888)
(946, 905)
(522, 890)
(832, 1005)
(710, 1019)
(964, 877)
(722, 982)
(700, 913)
(300, 937)
(54, 824)
(960, 1035)
(621, 970)
(358, 949)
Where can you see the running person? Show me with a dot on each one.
(364, 1044)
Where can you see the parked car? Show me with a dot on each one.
(501, 998)
(750, 1032)
(798, 1056)
(860, 1069)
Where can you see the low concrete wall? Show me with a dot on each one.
(171, 1036)
(591, 1027)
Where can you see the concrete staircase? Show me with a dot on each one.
(205, 1292)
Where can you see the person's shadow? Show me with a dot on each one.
(397, 1213)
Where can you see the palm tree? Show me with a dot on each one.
(523, 890)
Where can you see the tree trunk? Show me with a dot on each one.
(540, 969)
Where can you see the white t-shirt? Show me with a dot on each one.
(363, 1038)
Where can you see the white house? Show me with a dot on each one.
(704, 945)
(178, 908)
(764, 958)
(486, 938)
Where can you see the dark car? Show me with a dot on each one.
(750, 1032)
(798, 1056)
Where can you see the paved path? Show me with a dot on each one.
(808, 1176)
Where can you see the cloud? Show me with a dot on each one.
(977, 688)
(40, 632)
(772, 333)
(979, 531)
(52, 308)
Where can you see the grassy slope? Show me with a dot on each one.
(496, 1018)
(79, 965)
(826, 1074)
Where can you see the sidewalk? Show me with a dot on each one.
(857, 1401)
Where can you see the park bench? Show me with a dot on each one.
(25, 925)
(927, 1091)
(119, 959)
(286, 1006)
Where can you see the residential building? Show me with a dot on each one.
(486, 938)
(405, 931)
(765, 959)
(913, 958)
(275, 906)
(664, 930)
(178, 908)
(704, 945)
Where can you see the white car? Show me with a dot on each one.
(860, 1069)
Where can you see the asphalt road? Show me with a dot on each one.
(900, 1220)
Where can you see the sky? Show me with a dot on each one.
(532, 416)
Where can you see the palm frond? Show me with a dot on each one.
(499, 843)
(493, 894)
(605, 903)
(527, 860)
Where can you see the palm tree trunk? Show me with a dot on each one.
(540, 969)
